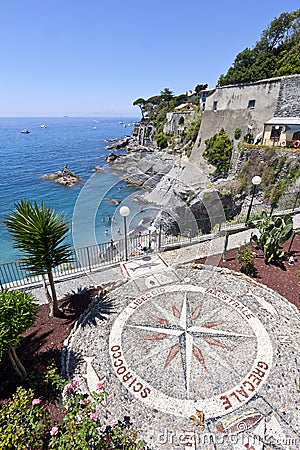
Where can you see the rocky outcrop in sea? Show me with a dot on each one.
(65, 177)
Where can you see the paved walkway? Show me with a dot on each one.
(196, 358)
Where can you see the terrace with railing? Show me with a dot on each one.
(14, 275)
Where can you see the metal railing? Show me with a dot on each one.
(87, 259)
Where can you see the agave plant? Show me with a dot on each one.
(40, 233)
(274, 231)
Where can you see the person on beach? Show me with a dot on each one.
(106, 233)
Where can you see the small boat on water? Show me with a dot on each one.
(25, 131)
(43, 126)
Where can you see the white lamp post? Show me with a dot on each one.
(124, 212)
(256, 182)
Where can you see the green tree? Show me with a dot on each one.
(162, 140)
(218, 151)
(200, 87)
(17, 313)
(140, 102)
(276, 53)
(166, 94)
(40, 234)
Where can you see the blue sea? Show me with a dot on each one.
(79, 143)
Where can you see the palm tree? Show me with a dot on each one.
(40, 233)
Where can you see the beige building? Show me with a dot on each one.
(283, 131)
(252, 107)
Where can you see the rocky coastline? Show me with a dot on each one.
(183, 200)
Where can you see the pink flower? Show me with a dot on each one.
(42, 367)
(113, 423)
(36, 401)
(68, 387)
(100, 385)
(75, 383)
(54, 431)
(94, 416)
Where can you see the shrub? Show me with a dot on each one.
(218, 151)
(162, 140)
(237, 133)
(23, 422)
(84, 428)
(246, 258)
(193, 131)
(46, 381)
(17, 313)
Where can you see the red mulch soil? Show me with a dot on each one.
(42, 342)
(282, 277)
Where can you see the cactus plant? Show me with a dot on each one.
(274, 231)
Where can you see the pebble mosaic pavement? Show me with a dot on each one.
(197, 357)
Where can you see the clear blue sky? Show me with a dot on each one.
(95, 57)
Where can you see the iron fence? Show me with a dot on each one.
(87, 259)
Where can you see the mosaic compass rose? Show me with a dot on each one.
(187, 333)
(183, 347)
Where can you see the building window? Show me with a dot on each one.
(215, 106)
(251, 104)
(276, 132)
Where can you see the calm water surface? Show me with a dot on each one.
(78, 143)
